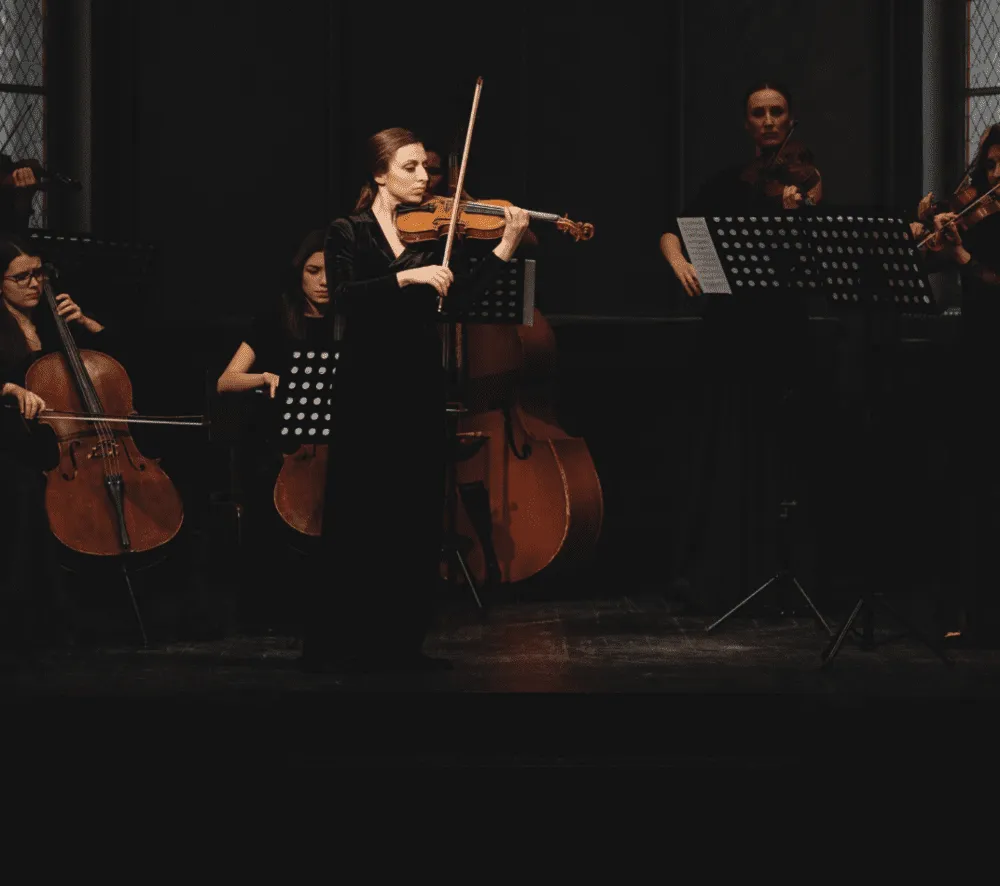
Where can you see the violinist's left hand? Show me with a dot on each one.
(24, 177)
(515, 224)
(70, 311)
(791, 198)
(917, 229)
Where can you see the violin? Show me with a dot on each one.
(477, 220)
(103, 497)
(971, 209)
(791, 164)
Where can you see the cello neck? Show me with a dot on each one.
(91, 402)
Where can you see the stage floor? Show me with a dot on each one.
(618, 680)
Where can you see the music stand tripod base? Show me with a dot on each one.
(784, 572)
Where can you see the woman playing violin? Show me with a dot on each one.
(753, 353)
(384, 505)
(757, 186)
(975, 250)
(28, 578)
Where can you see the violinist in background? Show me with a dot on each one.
(382, 525)
(746, 187)
(753, 357)
(17, 189)
(973, 247)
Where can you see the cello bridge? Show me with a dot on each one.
(104, 449)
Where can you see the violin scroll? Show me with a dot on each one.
(577, 230)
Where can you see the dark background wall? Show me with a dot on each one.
(222, 132)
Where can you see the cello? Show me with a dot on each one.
(544, 496)
(103, 497)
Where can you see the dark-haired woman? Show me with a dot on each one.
(33, 613)
(976, 254)
(384, 506)
(753, 360)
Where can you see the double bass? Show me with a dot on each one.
(544, 499)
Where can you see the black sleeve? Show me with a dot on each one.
(353, 297)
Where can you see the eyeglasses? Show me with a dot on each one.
(23, 278)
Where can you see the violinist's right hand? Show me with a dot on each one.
(949, 233)
(437, 276)
(270, 380)
(687, 275)
(917, 230)
(29, 404)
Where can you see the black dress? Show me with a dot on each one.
(34, 606)
(748, 389)
(978, 369)
(384, 506)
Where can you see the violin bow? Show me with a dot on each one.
(972, 205)
(457, 206)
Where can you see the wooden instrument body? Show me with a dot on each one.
(300, 489)
(546, 509)
(82, 513)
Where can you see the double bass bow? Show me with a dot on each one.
(543, 494)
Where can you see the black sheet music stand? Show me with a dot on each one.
(868, 261)
(304, 397)
(743, 256)
(506, 300)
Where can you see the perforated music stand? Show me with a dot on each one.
(747, 256)
(859, 259)
(304, 396)
(869, 262)
(507, 300)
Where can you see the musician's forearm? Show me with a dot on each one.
(238, 382)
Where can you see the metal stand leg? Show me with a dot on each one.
(784, 572)
(867, 604)
(135, 607)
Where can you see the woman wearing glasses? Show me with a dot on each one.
(29, 586)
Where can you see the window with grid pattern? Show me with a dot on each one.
(982, 71)
(22, 87)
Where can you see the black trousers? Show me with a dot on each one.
(33, 608)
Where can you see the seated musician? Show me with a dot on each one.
(299, 314)
(752, 354)
(384, 507)
(975, 252)
(29, 581)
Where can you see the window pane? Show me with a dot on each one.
(984, 70)
(21, 42)
(22, 115)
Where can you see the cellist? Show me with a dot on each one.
(385, 486)
(31, 593)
